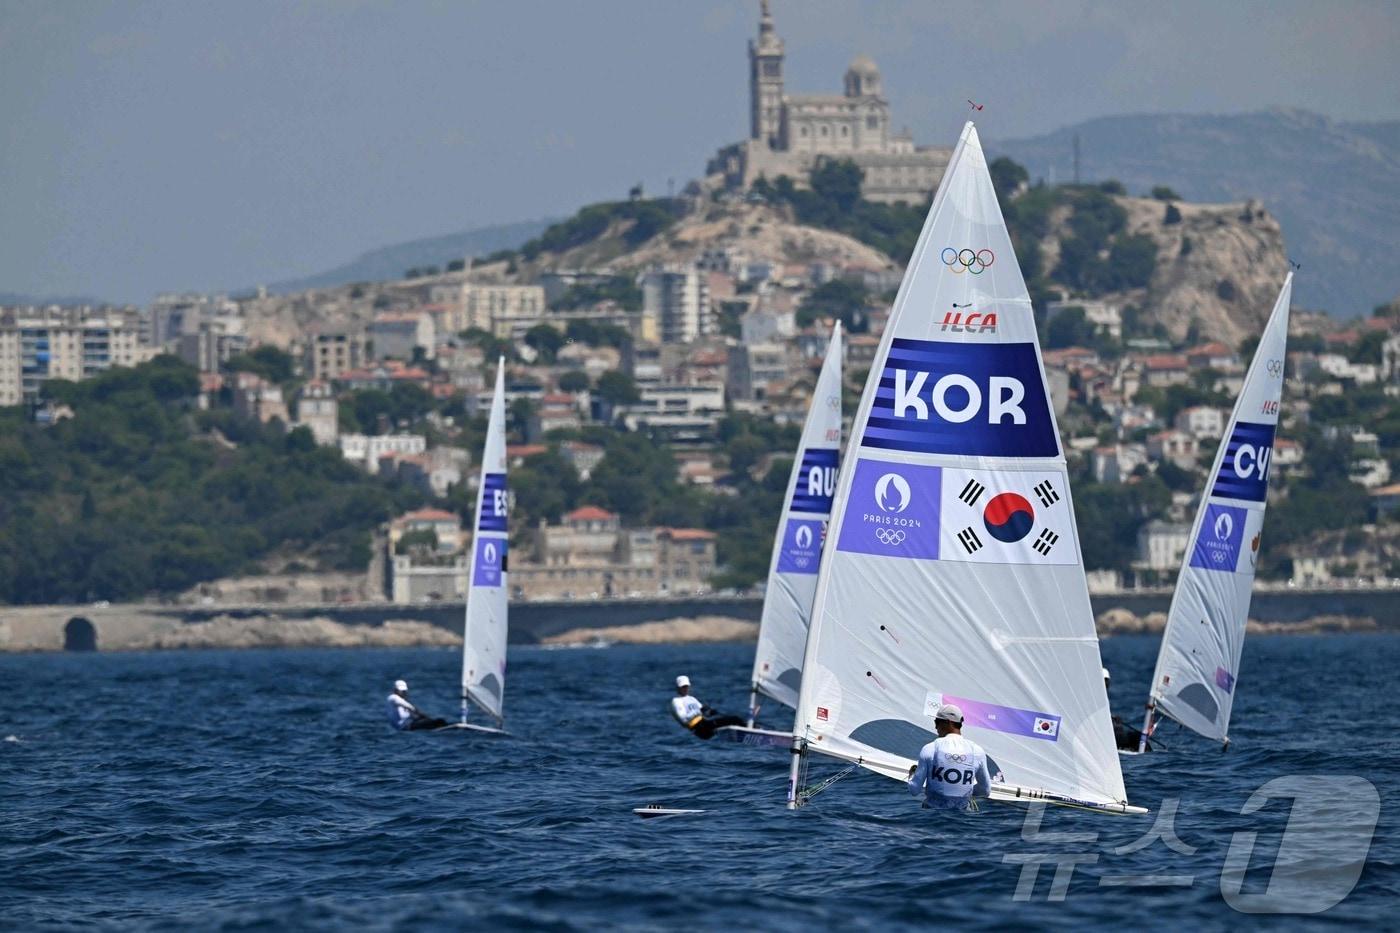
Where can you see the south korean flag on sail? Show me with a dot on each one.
(1006, 517)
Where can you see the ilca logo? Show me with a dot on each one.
(961, 320)
(975, 261)
(1274, 368)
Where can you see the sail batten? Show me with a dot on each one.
(798, 542)
(484, 630)
(1198, 663)
(953, 571)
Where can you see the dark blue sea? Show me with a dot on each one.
(263, 790)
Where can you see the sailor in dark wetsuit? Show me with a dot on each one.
(1124, 736)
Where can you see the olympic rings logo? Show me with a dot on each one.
(892, 538)
(968, 260)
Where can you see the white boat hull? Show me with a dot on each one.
(761, 738)
(471, 728)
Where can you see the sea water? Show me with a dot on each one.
(265, 790)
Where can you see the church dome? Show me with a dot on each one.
(864, 66)
(862, 78)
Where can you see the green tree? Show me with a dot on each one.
(617, 388)
(575, 380)
(266, 361)
(1007, 177)
(744, 452)
(838, 181)
(491, 346)
(519, 413)
(546, 341)
(633, 479)
(1131, 262)
(1163, 193)
(844, 299)
(545, 487)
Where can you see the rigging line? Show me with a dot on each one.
(807, 793)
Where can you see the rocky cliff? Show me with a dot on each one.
(1219, 267)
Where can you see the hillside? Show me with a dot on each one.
(389, 262)
(138, 493)
(1211, 270)
(1335, 187)
(758, 232)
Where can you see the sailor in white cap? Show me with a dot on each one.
(696, 716)
(404, 716)
(951, 769)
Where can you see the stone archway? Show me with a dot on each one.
(79, 635)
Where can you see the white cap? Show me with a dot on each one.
(1105, 674)
(401, 685)
(950, 713)
(682, 681)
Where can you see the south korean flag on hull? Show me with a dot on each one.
(1006, 517)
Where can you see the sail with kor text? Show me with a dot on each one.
(953, 572)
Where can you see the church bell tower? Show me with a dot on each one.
(766, 82)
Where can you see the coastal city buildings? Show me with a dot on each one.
(588, 554)
(676, 303)
(39, 344)
(332, 351)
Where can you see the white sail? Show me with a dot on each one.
(954, 572)
(484, 636)
(1194, 682)
(797, 546)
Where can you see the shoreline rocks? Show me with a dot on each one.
(702, 630)
(1119, 621)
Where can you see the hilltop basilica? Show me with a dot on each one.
(789, 133)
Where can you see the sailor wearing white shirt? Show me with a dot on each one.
(951, 769)
(404, 716)
(696, 716)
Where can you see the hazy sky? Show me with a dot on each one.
(178, 145)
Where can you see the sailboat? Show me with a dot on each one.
(797, 547)
(484, 631)
(953, 573)
(1194, 681)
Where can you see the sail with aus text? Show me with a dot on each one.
(953, 573)
(484, 636)
(1194, 682)
(801, 534)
